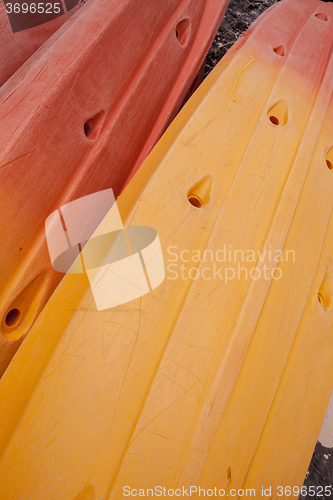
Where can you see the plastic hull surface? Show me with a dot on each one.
(16, 48)
(80, 117)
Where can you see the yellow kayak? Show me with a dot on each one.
(217, 379)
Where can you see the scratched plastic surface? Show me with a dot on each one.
(16, 48)
(202, 381)
(79, 117)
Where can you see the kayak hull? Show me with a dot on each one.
(81, 117)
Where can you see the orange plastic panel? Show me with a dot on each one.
(80, 117)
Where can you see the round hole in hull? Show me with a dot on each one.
(13, 317)
(195, 201)
(183, 30)
(274, 120)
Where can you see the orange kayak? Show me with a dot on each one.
(18, 46)
(80, 117)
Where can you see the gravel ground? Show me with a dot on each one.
(320, 472)
(239, 16)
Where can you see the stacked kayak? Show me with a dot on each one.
(220, 375)
(80, 116)
(17, 46)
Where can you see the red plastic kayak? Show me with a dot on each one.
(17, 47)
(80, 117)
